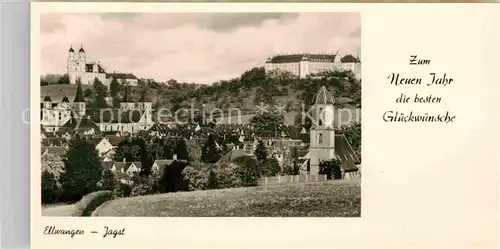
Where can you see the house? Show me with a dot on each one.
(124, 171)
(159, 165)
(53, 150)
(103, 146)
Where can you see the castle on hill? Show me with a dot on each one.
(80, 67)
(302, 65)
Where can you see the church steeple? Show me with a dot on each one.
(79, 94)
(81, 49)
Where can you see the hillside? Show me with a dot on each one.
(244, 92)
(337, 198)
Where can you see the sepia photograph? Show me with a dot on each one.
(200, 114)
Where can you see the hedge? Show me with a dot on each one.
(90, 202)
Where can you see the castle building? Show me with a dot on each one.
(131, 117)
(80, 67)
(302, 65)
(55, 115)
(325, 144)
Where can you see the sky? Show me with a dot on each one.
(192, 47)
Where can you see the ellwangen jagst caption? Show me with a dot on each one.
(107, 232)
(432, 80)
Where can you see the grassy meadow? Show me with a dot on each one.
(338, 198)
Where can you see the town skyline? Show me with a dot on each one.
(200, 48)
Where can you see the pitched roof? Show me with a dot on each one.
(125, 165)
(231, 156)
(323, 97)
(302, 57)
(114, 139)
(54, 150)
(79, 94)
(79, 124)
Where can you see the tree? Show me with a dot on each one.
(194, 150)
(210, 153)
(114, 88)
(247, 171)
(108, 181)
(50, 190)
(147, 164)
(331, 169)
(63, 80)
(83, 170)
(261, 151)
(267, 124)
(101, 93)
(270, 167)
(181, 150)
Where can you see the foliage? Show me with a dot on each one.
(90, 202)
(247, 170)
(227, 176)
(194, 150)
(50, 189)
(172, 179)
(101, 92)
(261, 151)
(64, 79)
(82, 170)
(267, 124)
(270, 167)
(114, 88)
(181, 150)
(143, 188)
(210, 152)
(331, 169)
(53, 164)
(353, 135)
(122, 190)
(196, 176)
(108, 181)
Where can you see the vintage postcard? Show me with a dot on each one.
(242, 115)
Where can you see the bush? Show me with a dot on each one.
(247, 170)
(108, 181)
(122, 190)
(50, 190)
(270, 167)
(196, 178)
(226, 176)
(143, 188)
(90, 202)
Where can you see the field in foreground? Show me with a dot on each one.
(337, 198)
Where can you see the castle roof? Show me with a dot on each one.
(79, 94)
(324, 97)
(65, 99)
(290, 58)
(81, 50)
(47, 99)
(71, 50)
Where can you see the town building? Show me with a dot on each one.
(303, 65)
(80, 67)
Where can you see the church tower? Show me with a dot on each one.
(322, 140)
(79, 102)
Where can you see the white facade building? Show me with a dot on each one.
(80, 67)
(55, 115)
(302, 65)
